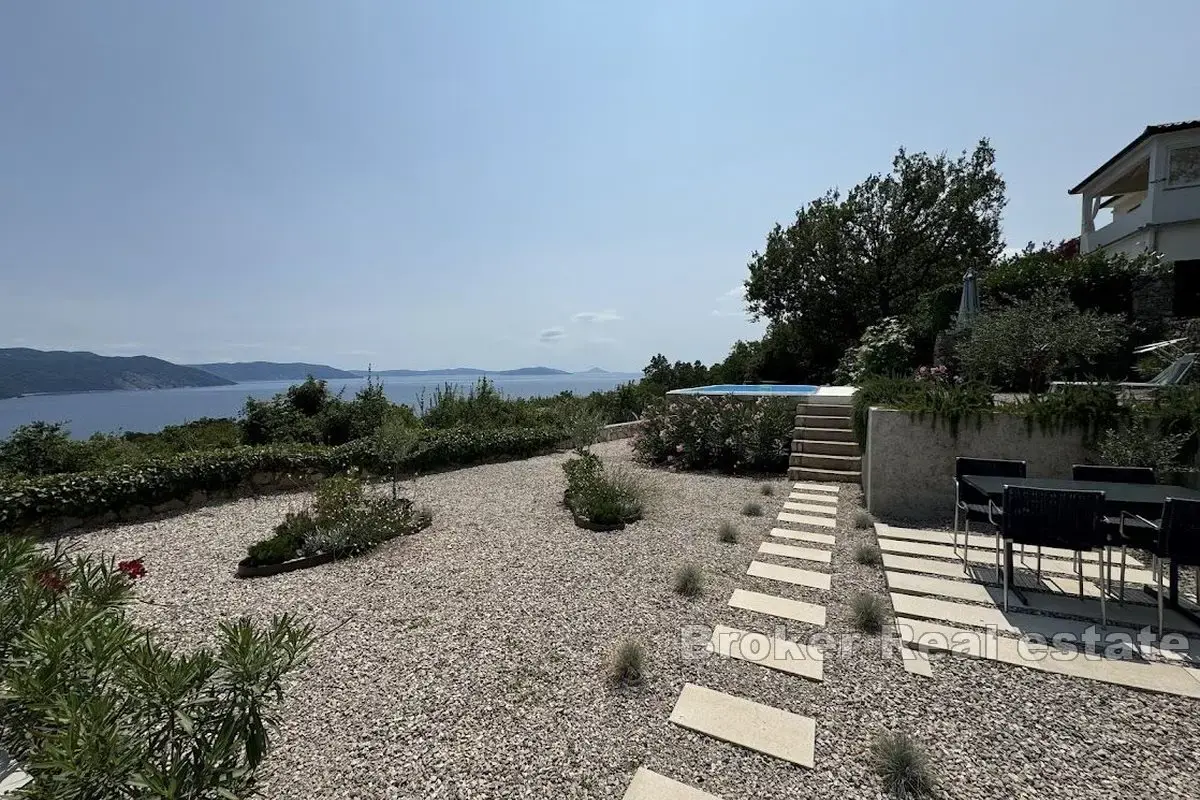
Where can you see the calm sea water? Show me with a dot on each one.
(112, 412)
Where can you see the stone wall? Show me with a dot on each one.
(621, 430)
(908, 463)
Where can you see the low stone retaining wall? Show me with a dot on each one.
(908, 463)
(621, 430)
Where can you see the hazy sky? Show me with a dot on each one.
(506, 183)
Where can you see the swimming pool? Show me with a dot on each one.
(782, 389)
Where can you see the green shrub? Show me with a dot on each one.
(96, 706)
(766, 490)
(867, 613)
(752, 509)
(600, 496)
(628, 665)
(862, 519)
(944, 401)
(307, 413)
(689, 580)
(42, 448)
(728, 533)
(1142, 443)
(867, 555)
(1025, 345)
(1177, 408)
(885, 348)
(1089, 408)
(902, 765)
(343, 520)
(29, 501)
(725, 433)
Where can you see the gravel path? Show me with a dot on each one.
(471, 659)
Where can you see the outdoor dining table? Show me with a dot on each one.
(1143, 499)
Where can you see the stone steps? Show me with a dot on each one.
(821, 461)
(825, 448)
(824, 475)
(823, 434)
(813, 421)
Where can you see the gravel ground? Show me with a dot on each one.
(470, 658)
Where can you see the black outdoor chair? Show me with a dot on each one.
(1135, 532)
(1178, 542)
(1064, 518)
(971, 505)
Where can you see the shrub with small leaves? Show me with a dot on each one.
(862, 519)
(867, 554)
(728, 533)
(902, 764)
(752, 509)
(766, 490)
(689, 580)
(628, 664)
(867, 613)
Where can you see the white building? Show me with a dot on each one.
(1152, 190)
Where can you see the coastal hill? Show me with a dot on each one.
(248, 371)
(403, 373)
(27, 371)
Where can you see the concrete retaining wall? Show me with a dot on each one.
(621, 430)
(908, 464)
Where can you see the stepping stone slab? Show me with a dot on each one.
(745, 723)
(831, 488)
(768, 651)
(788, 551)
(649, 785)
(1161, 678)
(826, 499)
(985, 542)
(943, 588)
(908, 605)
(1051, 565)
(812, 508)
(803, 536)
(806, 519)
(799, 577)
(782, 607)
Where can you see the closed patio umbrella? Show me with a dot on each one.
(968, 306)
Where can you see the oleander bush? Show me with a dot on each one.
(601, 496)
(343, 521)
(96, 706)
(29, 501)
(724, 433)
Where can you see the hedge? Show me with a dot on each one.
(25, 502)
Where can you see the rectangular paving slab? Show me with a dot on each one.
(942, 587)
(790, 551)
(745, 723)
(649, 785)
(806, 519)
(799, 577)
(908, 605)
(804, 536)
(811, 508)
(983, 542)
(803, 486)
(1161, 678)
(826, 499)
(1051, 565)
(782, 607)
(767, 651)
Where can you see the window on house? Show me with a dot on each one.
(1187, 289)
(1183, 166)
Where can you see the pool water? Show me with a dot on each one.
(785, 389)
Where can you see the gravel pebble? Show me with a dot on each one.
(470, 658)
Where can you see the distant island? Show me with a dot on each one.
(405, 373)
(27, 371)
(250, 371)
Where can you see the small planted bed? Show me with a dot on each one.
(342, 522)
(598, 498)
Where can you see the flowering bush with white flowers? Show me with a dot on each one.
(718, 432)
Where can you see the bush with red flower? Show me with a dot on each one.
(80, 679)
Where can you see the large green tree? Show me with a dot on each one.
(848, 262)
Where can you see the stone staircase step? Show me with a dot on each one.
(823, 434)
(823, 410)
(826, 448)
(824, 475)
(810, 421)
(845, 463)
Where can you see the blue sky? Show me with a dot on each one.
(424, 184)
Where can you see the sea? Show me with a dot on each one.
(150, 410)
